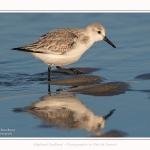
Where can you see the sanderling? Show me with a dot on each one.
(65, 45)
(68, 111)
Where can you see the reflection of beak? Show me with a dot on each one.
(109, 42)
(109, 114)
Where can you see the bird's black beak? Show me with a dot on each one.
(109, 42)
(109, 114)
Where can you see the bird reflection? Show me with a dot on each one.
(66, 111)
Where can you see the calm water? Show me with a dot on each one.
(22, 76)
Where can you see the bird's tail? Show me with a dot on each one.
(25, 50)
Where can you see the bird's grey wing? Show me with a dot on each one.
(57, 41)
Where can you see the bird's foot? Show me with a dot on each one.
(65, 89)
(75, 71)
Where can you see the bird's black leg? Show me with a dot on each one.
(49, 78)
(49, 73)
(75, 71)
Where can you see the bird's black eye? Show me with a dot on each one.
(99, 32)
(98, 125)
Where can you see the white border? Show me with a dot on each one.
(46, 144)
(76, 11)
(77, 6)
(74, 5)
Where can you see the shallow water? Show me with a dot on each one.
(23, 78)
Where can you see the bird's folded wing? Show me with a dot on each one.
(58, 41)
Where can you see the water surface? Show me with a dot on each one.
(22, 77)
